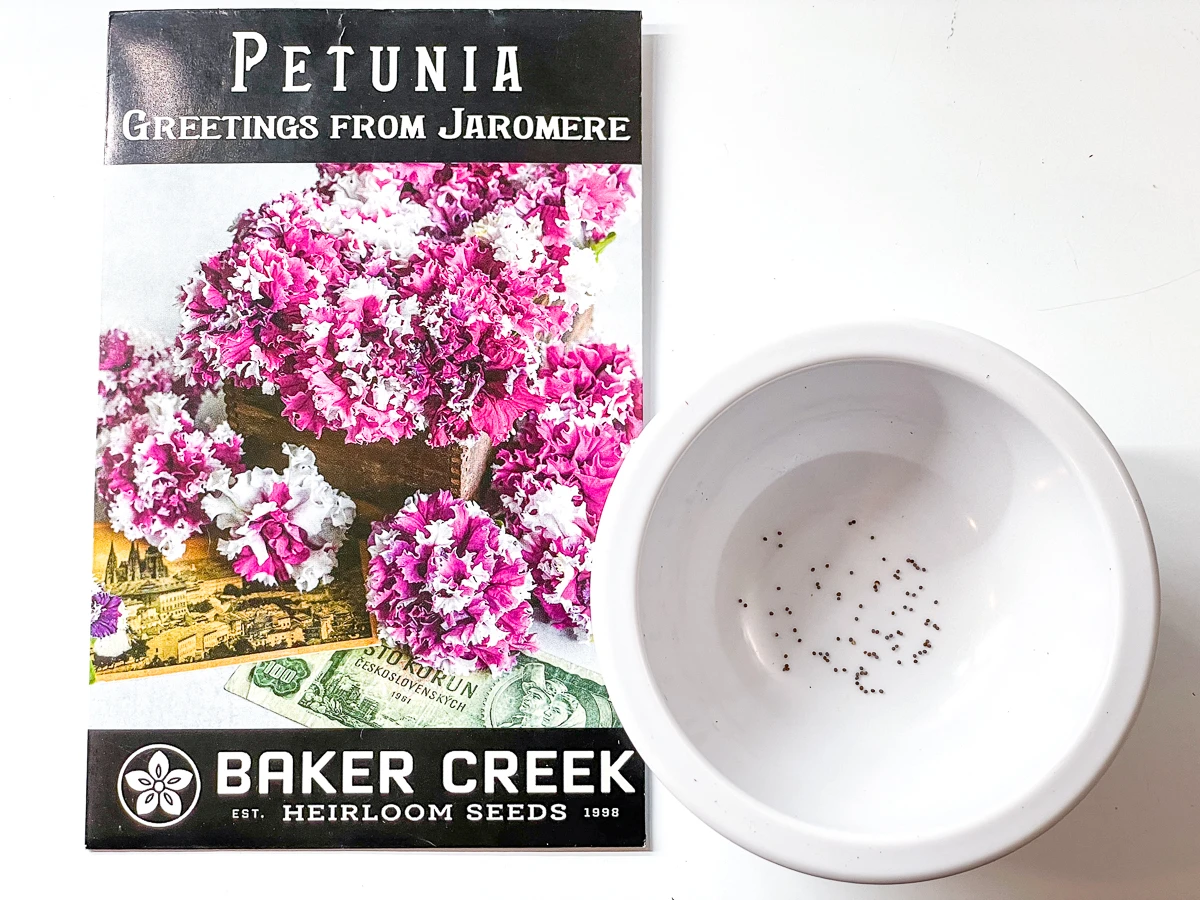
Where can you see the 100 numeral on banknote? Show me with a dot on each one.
(384, 687)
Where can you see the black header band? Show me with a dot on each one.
(430, 788)
(226, 86)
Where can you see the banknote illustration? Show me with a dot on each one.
(384, 687)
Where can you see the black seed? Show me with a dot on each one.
(772, 612)
(872, 537)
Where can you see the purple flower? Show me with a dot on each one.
(448, 582)
(106, 613)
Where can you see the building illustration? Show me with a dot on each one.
(197, 610)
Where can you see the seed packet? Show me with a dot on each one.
(370, 360)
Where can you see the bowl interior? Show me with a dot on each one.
(877, 598)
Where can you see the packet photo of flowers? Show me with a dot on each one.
(391, 303)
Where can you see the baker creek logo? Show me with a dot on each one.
(159, 785)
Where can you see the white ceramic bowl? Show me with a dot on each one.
(944, 449)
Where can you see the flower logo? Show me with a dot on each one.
(158, 785)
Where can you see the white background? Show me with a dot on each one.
(1027, 171)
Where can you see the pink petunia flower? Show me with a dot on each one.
(133, 365)
(449, 583)
(553, 479)
(154, 468)
(282, 526)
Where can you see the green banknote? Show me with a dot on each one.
(384, 687)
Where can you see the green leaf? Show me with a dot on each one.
(599, 246)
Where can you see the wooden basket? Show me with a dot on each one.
(379, 477)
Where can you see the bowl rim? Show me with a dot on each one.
(766, 831)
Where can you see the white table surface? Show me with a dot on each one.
(1027, 171)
